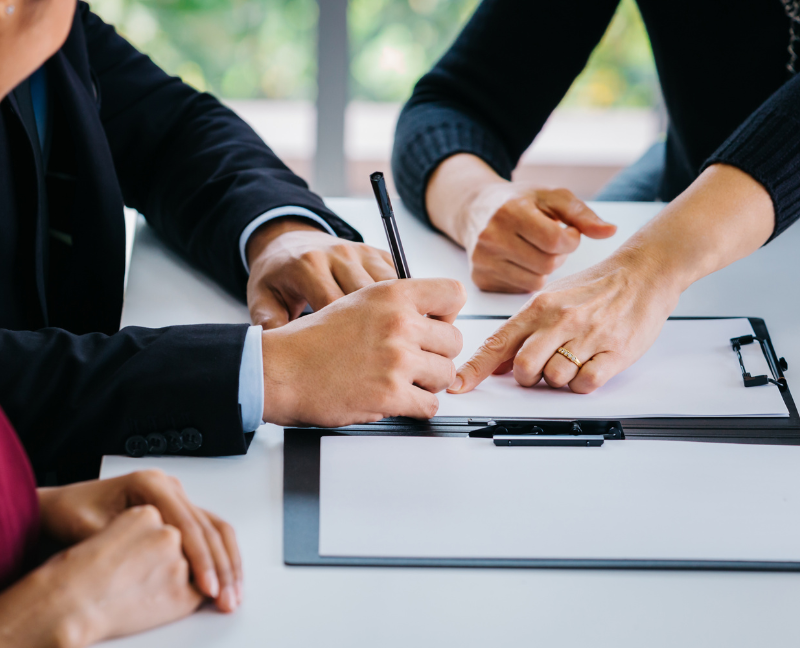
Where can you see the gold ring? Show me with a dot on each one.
(570, 356)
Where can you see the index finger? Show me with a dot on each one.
(440, 298)
(497, 349)
(177, 511)
(232, 546)
(167, 495)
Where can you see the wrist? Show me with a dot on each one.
(44, 610)
(271, 230)
(457, 193)
(723, 216)
(75, 623)
(280, 394)
(653, 270)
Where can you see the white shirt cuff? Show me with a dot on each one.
(278, 212)
(251, 380)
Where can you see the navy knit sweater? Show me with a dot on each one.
(723, 73)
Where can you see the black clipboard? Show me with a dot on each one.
(302, 482)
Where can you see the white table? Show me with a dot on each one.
(302, 606)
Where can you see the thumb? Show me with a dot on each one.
(269, 311)
(563, 205)
(494, 353)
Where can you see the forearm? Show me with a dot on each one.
(723, 216)
(38, 612)
(454, 187)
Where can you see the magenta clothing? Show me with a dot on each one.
(19, 506)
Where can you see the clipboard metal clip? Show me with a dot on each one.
(525, 432)
(775, 368)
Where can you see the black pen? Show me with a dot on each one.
(390, 225)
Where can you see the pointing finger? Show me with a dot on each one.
(498, 348)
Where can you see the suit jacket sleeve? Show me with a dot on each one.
(86, 395)
(196, 171)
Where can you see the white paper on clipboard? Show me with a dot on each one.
(457, 497)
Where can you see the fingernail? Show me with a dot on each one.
(228, 598)
(239, 592)
(212, 582)
(458, 383)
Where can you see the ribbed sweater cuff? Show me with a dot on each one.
(767, 147)
(414, 162)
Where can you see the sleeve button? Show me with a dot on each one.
(174, 441)
(192, 439)
(136, 446)
(156, 444)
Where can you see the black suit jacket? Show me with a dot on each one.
(123, 133)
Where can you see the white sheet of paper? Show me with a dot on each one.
(451, 497)
(691, 370)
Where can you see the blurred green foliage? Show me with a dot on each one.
(267, 48)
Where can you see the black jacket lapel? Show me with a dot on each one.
(20, 100)
(98, 222)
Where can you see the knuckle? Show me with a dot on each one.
(398, 323)
(147, 514)
(449, 374)
(226, 530)
(590, 380)
(170, 537)
(503, 214)
(149, 477)
(550, 263)
(470, 369)
(483, 280)
(430, 407)
(551, 239)
(458, 339)
(556, 376)
(345, 250)
(566, 314)
(455, 286)
(313, 258)
(387, 291)
(523, 367)
(543, 304)
(565, 193)
(487, 240)
(497, 342)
